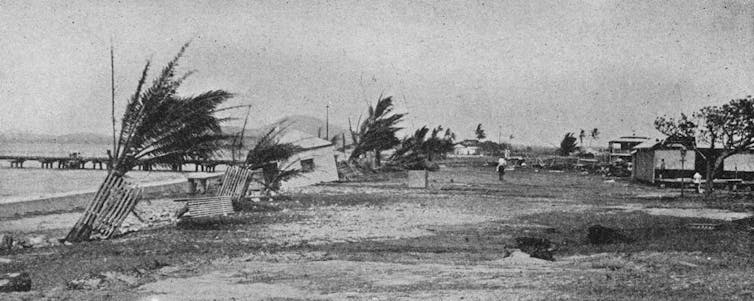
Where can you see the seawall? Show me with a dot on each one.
(78, 200)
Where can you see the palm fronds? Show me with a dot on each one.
(160, 127)
(267, 154)
(377, 132)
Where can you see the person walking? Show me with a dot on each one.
(501, 165)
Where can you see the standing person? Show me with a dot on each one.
(501, 164)
(662, 169)
(698, 182)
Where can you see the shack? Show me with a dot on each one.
(662, 160)
(316, 160)
(654, 159)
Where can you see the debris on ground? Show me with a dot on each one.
(600, 235)
(536, 247)
(15, 282)
(91, 282)
(6, 242)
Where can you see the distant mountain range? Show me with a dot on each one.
(307, 124)
(78, 138)
(303, 123)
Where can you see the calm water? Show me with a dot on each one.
(33, 181)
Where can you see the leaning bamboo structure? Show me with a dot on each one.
(112, 203)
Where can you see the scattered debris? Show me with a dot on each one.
(600, 235)
(127, 279)
(89, 283)
(6, 242)
(536, 247)
(36, 241)
(15, 282)
(703, 226)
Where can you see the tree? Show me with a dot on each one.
(491, 148)
(409, 153)
(160, 127)
(568, 144)
(595, 135)
(415, 151)
(480, 132)
(729, 127)
(377, 132)
(267, 154)
(437, 145)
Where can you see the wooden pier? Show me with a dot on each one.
(17, 161)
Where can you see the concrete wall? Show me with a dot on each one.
(75, 201)
(325, 169)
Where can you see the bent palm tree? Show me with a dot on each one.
(160, 127)
(267, 154)
(377, 132)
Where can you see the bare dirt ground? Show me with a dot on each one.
(383, 241)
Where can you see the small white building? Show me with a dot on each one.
(466, 148)
(316, 160)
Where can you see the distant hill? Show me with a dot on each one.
(78, 138)
(307, 124)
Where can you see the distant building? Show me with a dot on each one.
(621, 148)
(468, 147)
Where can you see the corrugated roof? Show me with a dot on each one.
(630, 139)
(651, 143)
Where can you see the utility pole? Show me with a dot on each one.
(112, 95)
(683, 160)
(327, 121)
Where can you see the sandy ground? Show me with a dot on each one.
(308, 268)
(312, 278)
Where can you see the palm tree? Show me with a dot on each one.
(414, 152)
(160, 127)
(595, 134)
(267, 154)
(568, 144)
(377, 132)
(479, 132)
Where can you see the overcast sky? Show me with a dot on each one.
(534, 69)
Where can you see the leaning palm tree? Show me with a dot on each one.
(160, 128)
(267, 154)
(377, 132)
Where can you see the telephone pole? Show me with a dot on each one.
(327, 121)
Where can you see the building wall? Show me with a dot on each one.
(673, 159)
(643, 165)
(467, 150)
(739, 162)
(324, 170)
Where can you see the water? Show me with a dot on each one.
(34, 182)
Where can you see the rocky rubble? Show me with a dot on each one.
(9, 242)
(15, 282)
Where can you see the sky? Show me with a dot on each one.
(533, 70)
